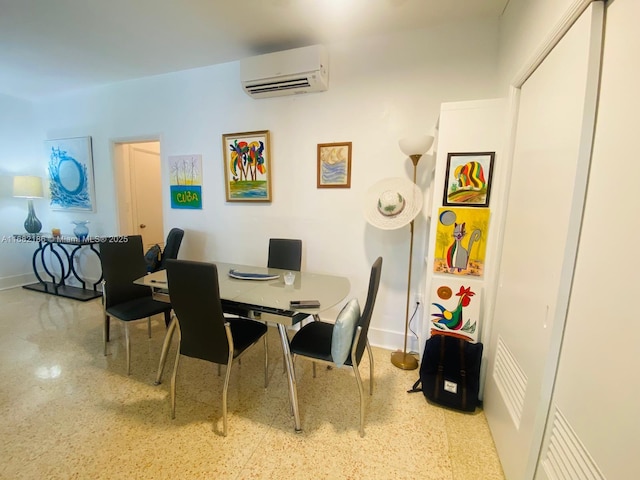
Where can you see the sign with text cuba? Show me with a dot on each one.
(185, 176)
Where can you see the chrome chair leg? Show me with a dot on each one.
(266, 362)
(361, 391)
(227, 375)
(165, 348)
(105, 334)
(224, 395)
(370, 367)
(173, 384)
(128, 347)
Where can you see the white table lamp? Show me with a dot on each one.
(29, 187)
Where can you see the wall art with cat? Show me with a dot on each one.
(461, 236)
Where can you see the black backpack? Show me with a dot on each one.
(152, 258)
(450, 372)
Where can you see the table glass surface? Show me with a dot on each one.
(329, 290)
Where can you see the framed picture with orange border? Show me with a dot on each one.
(334, 165)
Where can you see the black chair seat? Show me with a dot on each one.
(314, 340)
(245, 332)
(137, 309)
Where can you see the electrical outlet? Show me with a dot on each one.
(419, 299)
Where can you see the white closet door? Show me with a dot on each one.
(594, 422)
(546, 197)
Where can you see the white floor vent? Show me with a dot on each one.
(565, 457)
(510, 380)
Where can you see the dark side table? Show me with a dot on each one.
(63, 250)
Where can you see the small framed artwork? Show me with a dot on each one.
(71, 185)
(468, 179)
(247, 166)
(334, 165)
(185, 181)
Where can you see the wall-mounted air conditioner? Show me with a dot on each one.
(301, 70)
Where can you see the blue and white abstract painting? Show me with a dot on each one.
(71, 174)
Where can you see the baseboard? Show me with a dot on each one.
(17, 281)
(391, 340)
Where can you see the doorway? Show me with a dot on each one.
(139, 190)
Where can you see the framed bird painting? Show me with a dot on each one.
(455, 308)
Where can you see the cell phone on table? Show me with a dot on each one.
(304, 304)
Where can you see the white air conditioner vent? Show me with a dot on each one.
(301, 70)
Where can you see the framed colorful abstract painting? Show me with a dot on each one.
(247, 166)
(468, 179)
(461, 236)
(185, 178)
(71, 184)
(334, 165)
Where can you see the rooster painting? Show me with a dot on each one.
(453, 320)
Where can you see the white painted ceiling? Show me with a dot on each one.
(55, 46)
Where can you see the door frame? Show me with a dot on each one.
(116, 158)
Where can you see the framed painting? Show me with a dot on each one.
(334, 165)
(247, 166)
(468, 179)
(185, 177)
(71, 185)
(455, 308)
(461, 236)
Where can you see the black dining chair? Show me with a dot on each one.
(343, 342)
(171, 246)
(285, 253)
(203, 330)
(122, 262)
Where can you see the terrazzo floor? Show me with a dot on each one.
(70, 412)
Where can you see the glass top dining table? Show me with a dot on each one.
(265, 295)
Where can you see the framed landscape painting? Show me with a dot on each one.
(247, 166)
(71, 184)
(468, 179)
(334, 165)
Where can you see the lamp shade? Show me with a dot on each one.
(417, 145)
(27, 187)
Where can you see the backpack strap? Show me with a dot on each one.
(463, 374)
(440, 375)
(416, 387)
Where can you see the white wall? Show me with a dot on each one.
(19, 155)
(380, 89)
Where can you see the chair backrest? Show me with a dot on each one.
(285, 253)
(367, 311)
(195, 298)
(171, 246)
(122, 261)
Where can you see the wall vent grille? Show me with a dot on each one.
(566, 457)
(274, 86)
(511, 381)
